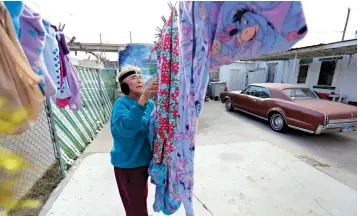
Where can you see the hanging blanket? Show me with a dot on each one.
(214, 34)
(164, 118)
(211, 34)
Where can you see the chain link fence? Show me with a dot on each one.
(60, 136)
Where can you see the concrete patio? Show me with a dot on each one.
(246, 178)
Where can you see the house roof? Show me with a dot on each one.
(348, 47)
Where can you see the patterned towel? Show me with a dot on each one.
(214, 34)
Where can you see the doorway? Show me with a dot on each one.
(271, 73)
(326, 73)
(302, 74)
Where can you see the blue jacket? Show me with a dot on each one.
(129, 127)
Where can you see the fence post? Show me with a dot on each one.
(56, 147)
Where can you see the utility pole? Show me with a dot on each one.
(130, 36)
(102, 55)
(345, 26)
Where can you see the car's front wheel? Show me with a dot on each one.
(277, 122)
(228, 105)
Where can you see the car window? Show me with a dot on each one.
(247, 91)
(289, 92)
(299, 93)
(255, 91)
(264, 93)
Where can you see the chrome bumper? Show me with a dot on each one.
(337, 126)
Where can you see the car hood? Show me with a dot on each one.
(333, 110)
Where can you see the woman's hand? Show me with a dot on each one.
(151, 89)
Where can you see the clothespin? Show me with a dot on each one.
(72, 40)
(164, 20)
(171, 5)
(60, 28)
(159, 32)
(172, 8)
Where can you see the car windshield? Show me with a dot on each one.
(300, 93)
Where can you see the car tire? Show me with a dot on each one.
(277, 122)
(228, 105)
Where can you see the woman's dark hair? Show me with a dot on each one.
(125, 88)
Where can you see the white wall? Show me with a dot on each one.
(289, 71)
(345, 75)
(234, 74)
(284, 70)
(261, 66)
(259, 76)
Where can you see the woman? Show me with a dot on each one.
(131, 152)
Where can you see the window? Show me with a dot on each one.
(251, 90)
(300, 93)
(257, 91)
(247, 91)
(302, 74)
(264, 93)
(326, 73)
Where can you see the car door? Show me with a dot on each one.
(239, 100)
(253, 99)
(259, 107)
(247, 99)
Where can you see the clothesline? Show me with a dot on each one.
(43, 54)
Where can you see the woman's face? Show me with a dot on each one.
(135, 83)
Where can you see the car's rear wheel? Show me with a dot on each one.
(228, 105)
(277, 122)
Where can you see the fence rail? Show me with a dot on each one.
(61, 135)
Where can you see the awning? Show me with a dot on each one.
(348, 47)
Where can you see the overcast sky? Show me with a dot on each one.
(114, 19)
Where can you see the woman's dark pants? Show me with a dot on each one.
(133, 188)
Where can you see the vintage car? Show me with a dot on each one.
(294, 106)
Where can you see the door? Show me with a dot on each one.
(271, 73)
(238, 100)
(302, 74)
(236, 80)
(259, 107)
(246, 99)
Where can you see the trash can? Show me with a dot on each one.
(216, 88)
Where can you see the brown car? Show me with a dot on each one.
(294, 106)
